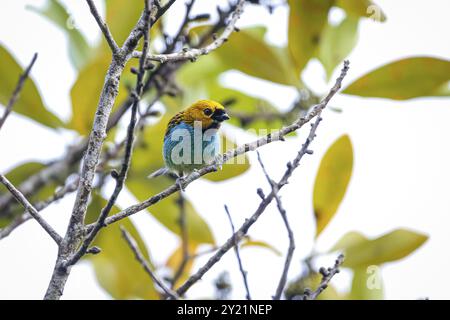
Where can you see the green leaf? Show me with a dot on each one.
(337, 43)
(262, 244)
(367, 284)
(404, 79)
(362, 8)
(115, 267)
(331, 181)
(79, 50)
(86, 91)
(29, 102)
(146, 159)
(18, 175)
(307, 19)
(389, 247)
(247, 51)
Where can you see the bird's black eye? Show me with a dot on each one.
(207, 111)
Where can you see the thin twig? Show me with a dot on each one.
(103, 27)
(327, 275)
(32, 210)
(238, 256)
(183, 25)
(59, 194)
(291, 248)
(141, 259)
(17, 90)
(193, 53)
(184, 240)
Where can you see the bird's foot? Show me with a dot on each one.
(218, 162)
(180, 182)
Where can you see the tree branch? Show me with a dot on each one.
(120, 177)
(327, 275)
(141, 259)
(291, 248)
(103, 27)
(76, 229)
(32, 210)
(193, 53)
(238, 256)
(17, 90)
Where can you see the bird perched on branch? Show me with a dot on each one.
(191, 140)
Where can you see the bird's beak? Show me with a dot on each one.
(220, 115)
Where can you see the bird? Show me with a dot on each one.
(191, 140)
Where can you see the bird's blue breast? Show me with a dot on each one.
(186, 148)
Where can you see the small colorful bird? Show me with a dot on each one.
(191, 140)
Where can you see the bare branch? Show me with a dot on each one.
(193, 53)
(17, 90)
(272, 137)
(238, 256)
(76, 228)
(32, 210)
(59, 194)
(291, 248)
(121, 177)
(141, 259)
(103, 27)
(327, 275)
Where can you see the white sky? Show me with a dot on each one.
(400, 178)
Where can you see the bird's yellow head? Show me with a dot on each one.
(210, 113)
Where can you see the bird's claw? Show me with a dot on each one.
(179, 182)
(218, 162)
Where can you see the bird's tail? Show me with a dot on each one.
(159, 172)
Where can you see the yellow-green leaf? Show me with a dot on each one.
(331, 181)
(176, 259)
(404, 79)
(116, 269)
(362, 8)
(247, 51)
(29, 102)
(262, 244)
(367, 284)
(337, 43)
(350, 239)
(307, 19)
(121, 17)
(79, 51)
(85, 92)
(389, 247)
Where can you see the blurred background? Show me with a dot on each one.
(394, 125)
